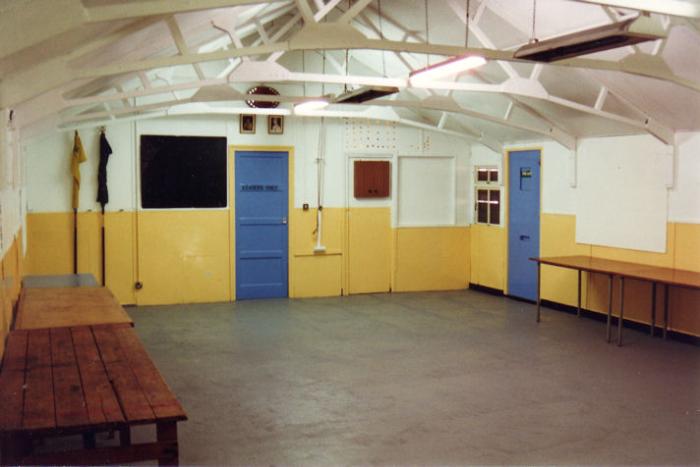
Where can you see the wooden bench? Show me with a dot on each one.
(73, 306)
(83, 380)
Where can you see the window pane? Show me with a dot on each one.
(482, 195)
(495, 196)
(482, 175)
(493, 175)
(482, 213)
(495, 213)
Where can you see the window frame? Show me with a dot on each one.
(490, 187)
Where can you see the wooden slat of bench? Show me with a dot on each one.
(12, 382)
(102, 403)
(131, 398)
(159, 395)
(68, 391)
(39, 410)
(15, 351)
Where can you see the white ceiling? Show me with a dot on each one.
(67, 63)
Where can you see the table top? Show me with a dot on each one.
(670, 276)
(79, 378)
(62, 280)
(57, 307)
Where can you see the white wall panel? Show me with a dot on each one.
(426, 191)
(684, 198)
(621, 199)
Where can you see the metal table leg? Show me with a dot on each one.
(610, 298)
(665, 310)
(539, 298)
(622, 311)
(653, 308)
(578, 305)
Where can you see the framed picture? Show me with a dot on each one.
(247, 123)
(275, 124)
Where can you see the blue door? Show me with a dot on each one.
(261, 224)
(523, 223)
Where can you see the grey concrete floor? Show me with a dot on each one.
(421, 378)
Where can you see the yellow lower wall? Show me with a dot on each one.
(316, 274)
(488, 256)
(186, 256)
(11, 273)
(682, 252)
(431, 258)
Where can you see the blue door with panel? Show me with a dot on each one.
(261, 197)
(524, 223)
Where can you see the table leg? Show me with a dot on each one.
(539, 298)
(578, 304)
(622, 311)
(610, 298)
(665, 310)
(166, 432)
(653, 308)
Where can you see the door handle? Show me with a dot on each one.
(524, 237)
(284, 221)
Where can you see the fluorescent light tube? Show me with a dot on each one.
(310, 106)
(450, 67)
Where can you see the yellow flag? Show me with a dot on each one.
(77, 158)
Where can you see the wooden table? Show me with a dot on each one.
(82, 380)
(58, 307)
(656, 275)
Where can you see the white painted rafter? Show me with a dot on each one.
(118, 11)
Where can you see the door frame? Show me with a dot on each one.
(232, 149)
(506, 182)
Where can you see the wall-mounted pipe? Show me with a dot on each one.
(320, 167)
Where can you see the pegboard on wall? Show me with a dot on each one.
(369, 134)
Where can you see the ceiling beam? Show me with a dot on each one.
(20, 29)
(681, 8)
(117, 11)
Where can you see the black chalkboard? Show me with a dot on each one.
(183, 172)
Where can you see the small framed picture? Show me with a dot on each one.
(247, 123)
(275, 124)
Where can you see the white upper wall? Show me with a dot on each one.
(48, 158)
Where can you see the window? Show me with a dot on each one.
(488, 195)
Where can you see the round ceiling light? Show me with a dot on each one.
(265, 91)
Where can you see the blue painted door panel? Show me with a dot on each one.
(524, 223)
(261, 195)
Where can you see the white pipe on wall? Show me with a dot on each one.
(320, 161)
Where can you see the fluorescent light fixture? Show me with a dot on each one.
(310, 106)
(449, 67)
(364, 94)
(611, 36)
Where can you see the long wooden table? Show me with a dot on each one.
(624, 270)
(83, 380)
(72, 306)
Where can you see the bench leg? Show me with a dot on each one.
(89, 440)
(166, 432)
(13, 449)
(125, 436)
